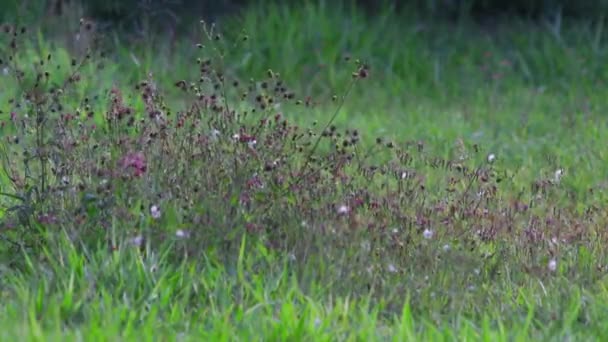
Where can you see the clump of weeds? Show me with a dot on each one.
(130, 166)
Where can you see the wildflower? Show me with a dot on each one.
(135, 161)
(343, 210)
(491, 157)
(559, 173)
(182, 234)
(391, 268)
(363, 72)
(47, 219)
(215, 134)
(552, 265)
(155, 212)
(446, 247)
(137, 240)
(245, 138)
(427, 233)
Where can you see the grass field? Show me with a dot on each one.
(308, 174)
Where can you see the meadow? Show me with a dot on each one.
(304, 173)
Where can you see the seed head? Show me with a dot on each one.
(182, 234)
(343, 209)
(428, 234)
(559, 173)
(552, 266)
(363, 72)
(155, 212)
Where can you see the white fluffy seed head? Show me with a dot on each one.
(343, 209)
(428, 234)
(552, 266)
(182, 234)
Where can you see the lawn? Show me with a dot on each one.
(304, 173)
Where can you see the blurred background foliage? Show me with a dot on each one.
(134, 13)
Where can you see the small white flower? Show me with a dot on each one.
(137, 241)
(236, 136)
(343, 209)
(182, 234)
(552, 265)
(559, 173)
(5, 71)
(427, 233)
(391, 268)
(65, 180)
(252, 143)
(215, 134)
(446, 247)
(491, 157)
(155, 212)
(395, 230)
(404, 175)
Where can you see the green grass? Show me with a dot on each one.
(127, 294)
(285, 266)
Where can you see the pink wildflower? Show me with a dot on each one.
(135, 161)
